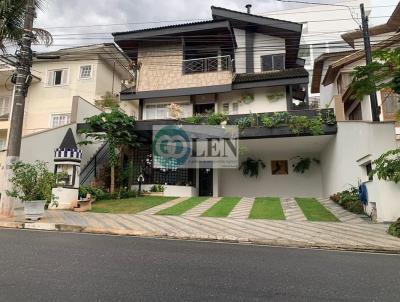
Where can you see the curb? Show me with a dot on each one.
(43, 226)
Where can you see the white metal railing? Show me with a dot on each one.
(219, 63)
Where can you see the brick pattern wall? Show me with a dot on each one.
(161, 68)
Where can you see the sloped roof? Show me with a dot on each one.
(319, 65)
(391, 25)
(335, 67)
(270, 75)
(68, 141)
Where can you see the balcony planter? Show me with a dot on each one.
(34, 210)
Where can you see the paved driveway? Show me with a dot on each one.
(352, 233)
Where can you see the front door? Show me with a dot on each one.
(205, 182)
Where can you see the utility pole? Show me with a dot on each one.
(368, 59)
(22, 82)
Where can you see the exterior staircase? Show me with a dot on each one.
(92, 167)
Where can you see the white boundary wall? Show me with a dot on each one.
(343, 164)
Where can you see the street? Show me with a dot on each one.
(46, 266)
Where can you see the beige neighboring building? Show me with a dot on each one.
(60, 78)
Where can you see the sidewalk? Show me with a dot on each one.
(347, 236)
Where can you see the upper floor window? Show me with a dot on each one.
(85, 72)
(58, 120)
(57, 77)
(4, 105)
(273, 62)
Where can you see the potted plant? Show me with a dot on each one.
(32, 185)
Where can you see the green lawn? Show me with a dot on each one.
(183, 206)
(267, 208)
(222, 208)
(314, 211)
(128, 206)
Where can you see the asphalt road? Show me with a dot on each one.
(45, 266)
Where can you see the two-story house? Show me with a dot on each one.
(247, 66)
(65, 87)
(333, 75)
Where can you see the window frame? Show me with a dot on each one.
(80, 72)
(3, 97)
(273, 61)
(165, 105)
(63, 70)
(52, 115)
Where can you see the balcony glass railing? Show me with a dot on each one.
(209, 64)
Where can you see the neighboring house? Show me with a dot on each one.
(323, 26)
(333, 75)
(221, 64)
(60, 79)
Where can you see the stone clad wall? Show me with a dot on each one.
(161, 68)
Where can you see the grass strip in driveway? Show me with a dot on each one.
(267, 208)
(183, 206)
(222, 208)
(129, 206)
(315, 211)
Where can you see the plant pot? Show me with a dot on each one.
(34, 210)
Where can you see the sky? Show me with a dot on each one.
(71, 22)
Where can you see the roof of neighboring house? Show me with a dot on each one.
(109, 52)
(391, 25)
(335, 67)
(270, 75)
(319, 65)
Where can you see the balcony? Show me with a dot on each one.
(209, 64)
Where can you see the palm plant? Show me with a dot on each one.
(12, 15)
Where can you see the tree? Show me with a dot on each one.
(387, 166)
(114, 128)
(12, 17)
(383, 72)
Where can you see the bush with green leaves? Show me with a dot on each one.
(31, 182)
(195, 119)
(157, 188)
(394, 228)
(298, 124)
(216, 118)
(349, 200)
(387, 166)
(247, 121)
(275, 120)
(96, 193)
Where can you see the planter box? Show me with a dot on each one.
(34, 210)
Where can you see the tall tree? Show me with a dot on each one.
(12, 18)
(115, 129)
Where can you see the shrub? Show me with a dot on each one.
(394, 228)
(127, 193)
(298, 124)
(276, 120)
(349, 200)
(315, 126)
(216, 118)
(32, 182)
(246, 121)
(195, 119)
(96, 193)
(157, 188)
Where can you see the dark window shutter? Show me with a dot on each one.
(266, 63)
